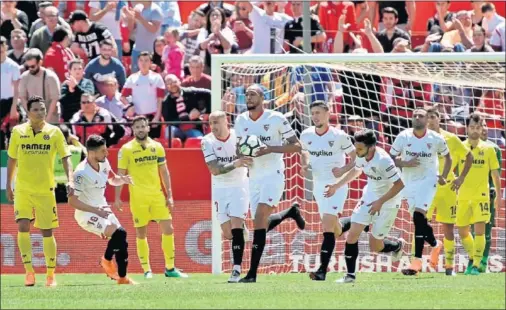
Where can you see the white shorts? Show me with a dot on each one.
(231, 202)
(420, 194)
(333, 205)
(94, 223)
(382, 222)
(268, 190)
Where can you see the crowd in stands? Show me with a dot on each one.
(106, 61)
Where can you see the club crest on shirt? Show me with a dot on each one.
(245, 129)
(104, 171)
(429, 145)
(481, 153)
(373, 169)
(78, 179)
(219, 148)
(153, 150)
(331, 143)
(409, 145)
(309, 143)
(203, 146)
(46, 137)
(266, 127)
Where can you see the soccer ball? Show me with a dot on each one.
(249, 145)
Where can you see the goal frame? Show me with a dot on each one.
(307, 59)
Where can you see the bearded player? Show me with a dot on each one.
(144, 160)
(92, 212)
(416, 151)
(266, 175)
(445, 200)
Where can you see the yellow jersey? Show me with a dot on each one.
(35, 155)
(476, 186)
(142, 165)
(458, 152)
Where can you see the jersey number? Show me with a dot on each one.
(92, 46)
(484, 207)
(453, 210)
(216, 206)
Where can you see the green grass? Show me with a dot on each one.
(380, 290)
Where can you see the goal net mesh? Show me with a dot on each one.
(379, 96)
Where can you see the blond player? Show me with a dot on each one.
(144, 160)
(473, 206)
(32, 151)
(445, 201)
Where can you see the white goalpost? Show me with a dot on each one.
(376, 91)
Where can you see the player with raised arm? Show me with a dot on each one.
(144, 160)
(445, 200)
(32, 150)
(473, 198)
(416, 151)
(266, 175)
(92, 212)
(380, 202)
(324, 149)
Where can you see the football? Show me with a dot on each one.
(249, 145)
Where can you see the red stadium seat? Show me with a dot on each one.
(121, 142)
(176, 143)
(193, 143)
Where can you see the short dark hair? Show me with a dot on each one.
(33, 53)
(94, 142)
(145, 53)
(487, 7)
(3, 40)
(34, 99)
(389, 10)
(365, 136)
(106, 42)
(475, 118)
(319, 103)
(139, 118)
(75, 61)
(60, 34)
(433, 110)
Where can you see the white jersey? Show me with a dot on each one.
(381, 172)
(326, 151)
(224, 151)
(90, 184)
(271, 128)
(427, 148)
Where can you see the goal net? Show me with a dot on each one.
(374, 91)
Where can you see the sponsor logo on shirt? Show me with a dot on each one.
(321, 153)
(419, 154)
(145, 159)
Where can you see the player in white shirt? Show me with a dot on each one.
(92, 211)
(266, 174)
(416, 151)
(379, 204)
(324, 149)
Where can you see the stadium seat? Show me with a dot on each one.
(176, 143)
(121, 142)
(193, 143)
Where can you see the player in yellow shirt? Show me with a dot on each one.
(473, 197)
(144, 160)
(445, 201)
(32, 150)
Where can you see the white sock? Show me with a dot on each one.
(237, 268)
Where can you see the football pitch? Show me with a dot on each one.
(372, 291)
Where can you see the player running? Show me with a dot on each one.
(324, 148)
(416, 151)
(445, 200)
(32, 150)
(266, 175)
(473, 198)
(379, 204)
(144, 160)
(92, 212)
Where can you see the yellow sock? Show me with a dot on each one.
(49, 244)
(143, 253)
(449, 246)
(479, 247)
(468, 244)
(168, 250)
(25, 248)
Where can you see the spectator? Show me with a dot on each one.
(43, 36)
(329, 14)
(111, 100)
(185, 104)
(158, 47)
(10, 19)
(479, 40)
(59, 54)
(365, 11)
(242, 27)
(30, 9)
(354, 123)
(406, 11)
(462, 33)
(339, 45)
(294, 30)
(173, 53)
(490, 18)
(387, 36)
(491, 107)
(171, 16)
(205, 8)
(145, 21)
(88, 35)
(39, 81)
(217, 37)
(267, 23)
(197, 78)
(498, 39)
(72, 89)
(476, 14)
(147, 90)
(41, 21)
(110, 14)
(111, 131)
(443, 18)
(189, 37)
(105, 66)
(9, 92)
(18, 43)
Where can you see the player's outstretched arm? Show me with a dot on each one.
(304, 159)
(467, 166)
(339, 172)
(446, 168)
(347, 178)
(292, 146)
(75, 203)
(117, 191)
(217, 169)
(67, 166)
(392, 192)
(118, 180)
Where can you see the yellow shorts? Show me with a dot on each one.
(445, 206)
(473, 211)
(44, 207)
(149, 208)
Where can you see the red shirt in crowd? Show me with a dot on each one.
(329, 14)
(203, 82)
(492, 103)
(57, 58)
